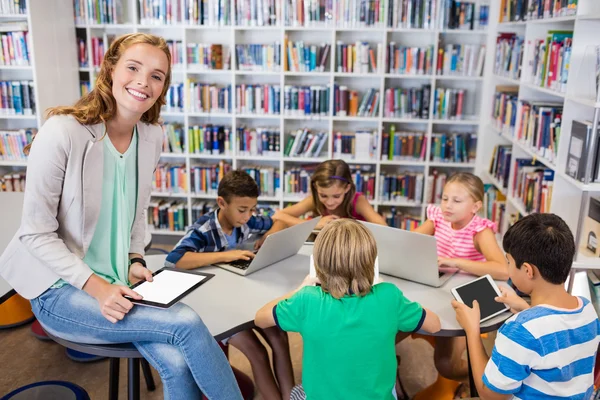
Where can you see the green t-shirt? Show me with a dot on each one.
(349, 343)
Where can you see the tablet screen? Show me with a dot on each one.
(482, 291)
(167, 286)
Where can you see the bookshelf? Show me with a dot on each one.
(577, 98)
(38, 61)
(316, 29)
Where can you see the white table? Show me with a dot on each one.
(228, 302)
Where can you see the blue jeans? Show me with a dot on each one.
(175, 341)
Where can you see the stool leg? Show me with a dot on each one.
(113, 382)
(147, 375)
(133, 387)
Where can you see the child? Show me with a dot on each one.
(545, 350)
(213, 239)
(348, 326)
(467, 242)
(333, 196)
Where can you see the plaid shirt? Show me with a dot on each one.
(206, 235)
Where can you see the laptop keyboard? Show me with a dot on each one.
(241, 264)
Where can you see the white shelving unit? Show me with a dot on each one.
(568, 195)
(232, 35)
(53, 64)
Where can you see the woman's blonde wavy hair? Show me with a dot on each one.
(344, 256)
(99, 105)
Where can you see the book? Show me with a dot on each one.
(258, 99)
(210, 139)
(577, 158)
(405, 60)
(206, 98)
(205, 178)
(401, 187)
(167, 215)
(261, 141)
(170, 178)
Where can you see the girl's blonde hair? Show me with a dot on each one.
(327, 174)
(344, 255)
(472, 184)
(99, 105)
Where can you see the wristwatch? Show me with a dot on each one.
(138, 260)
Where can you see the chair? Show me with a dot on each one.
(49, 390)
(115, 352)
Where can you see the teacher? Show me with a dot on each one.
(81, 240)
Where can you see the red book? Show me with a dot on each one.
(459, 103)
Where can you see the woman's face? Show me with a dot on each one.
(138, 79)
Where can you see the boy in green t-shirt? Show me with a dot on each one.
(348, 325)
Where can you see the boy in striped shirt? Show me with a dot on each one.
(546, 350)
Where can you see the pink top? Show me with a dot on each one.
(452, 243)
(354, 214)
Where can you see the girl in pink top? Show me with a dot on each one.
(467, 242)
(333, 196)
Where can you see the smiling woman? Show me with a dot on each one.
(81, 240)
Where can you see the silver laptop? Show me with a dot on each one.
(278, 246)
(408, 255)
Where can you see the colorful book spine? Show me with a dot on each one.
(170, 179)
(15, 7)
(205, 178)
(208, 98)
(449, 104)
(14, 48)
(17, 98)
(532, 185)
(163, 12)
(402, 145)
(304, 57)
(346, 102)
(410, 103)
(354, 14)
(258, 57)
(549, 60)
(176, 50)
(544, 9)
(168, 215)
(405, 60)
(258, 99)
(174, 98)
(267, 179)
(364, 180)
(308, 12)
(207, 56)
(12, 143)
(207, 12)
(355, 146)
(412, 14)
(460, 60)
(453, 147)
(500, 165)
(306, 143)
(202, 207)
(258, 142)
(509, 55)
(401, 220)
(82, 53)
(358, 58)
(538, 126)
(494, 206)
(210, 140)
(258, 13)
(296, 181)
(504, 110)
(458, 14)
(401, 187)
(306, 100)
(97, 11)
(173, 138)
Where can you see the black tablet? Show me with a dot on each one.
(311, 238)
(169, 286)
(485, 291)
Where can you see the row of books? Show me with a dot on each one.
(504, 108)
(267, 179)
(360, 13)
(308, 12)
(461, 60)
(407, 60)
(170, 178)
(449, 104)
(258, 57)
(459, 14)
(173, 138)
(345, 102)
(405, 187)
(208, 98)
(500, 164)
(258, 99)
(207, 56)
(441, 14)
(17, 98)
(407, 102)
(257, 12)
(526, 10)
(207, 12)
(453, 147)
(205, 178)
(168, 215)
(360, 57)
(401, 220)
(509, 55)
(364, 182)
(302, 57)
(403, 146)
(549, 60)
(306, 100)
(359, 145)
(258, 141)
(306, 143)
(296, 181)
(12, 143)
(177, 52)
(96, 12)
(15, 48)
(494, 206)
(210, 139)
(435, 187)
(532, 185)
(12, 182)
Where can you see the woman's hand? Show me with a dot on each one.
(137, 272)
(113, 304)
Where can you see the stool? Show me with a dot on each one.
(49, 390)
(15, 311)
(115, 352)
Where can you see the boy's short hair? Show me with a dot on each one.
(543, 240)
(237, 183)
(344, 256)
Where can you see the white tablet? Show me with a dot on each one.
(313, 272)
(484, 290)
(169, 285)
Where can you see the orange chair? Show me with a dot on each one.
(15, 311)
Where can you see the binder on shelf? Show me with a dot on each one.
(577, 157)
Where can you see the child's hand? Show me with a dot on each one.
(468, 317)
(325, 220)
(232, 255)
(511, 299)
(258, 244)
(309, 281)
(448, 262)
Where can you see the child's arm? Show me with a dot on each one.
(469, 318)
(277, 226)
(264, 317)
(291, 215)
(364, 208)
(485, 242)
(432, 322)
(426, 228)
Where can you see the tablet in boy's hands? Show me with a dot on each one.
(485, 291)
(169, 285)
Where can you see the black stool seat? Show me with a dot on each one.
(115, 352)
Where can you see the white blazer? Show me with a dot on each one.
(62, 204)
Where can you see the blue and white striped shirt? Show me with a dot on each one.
(546, 353)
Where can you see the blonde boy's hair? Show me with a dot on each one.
(344, 255)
